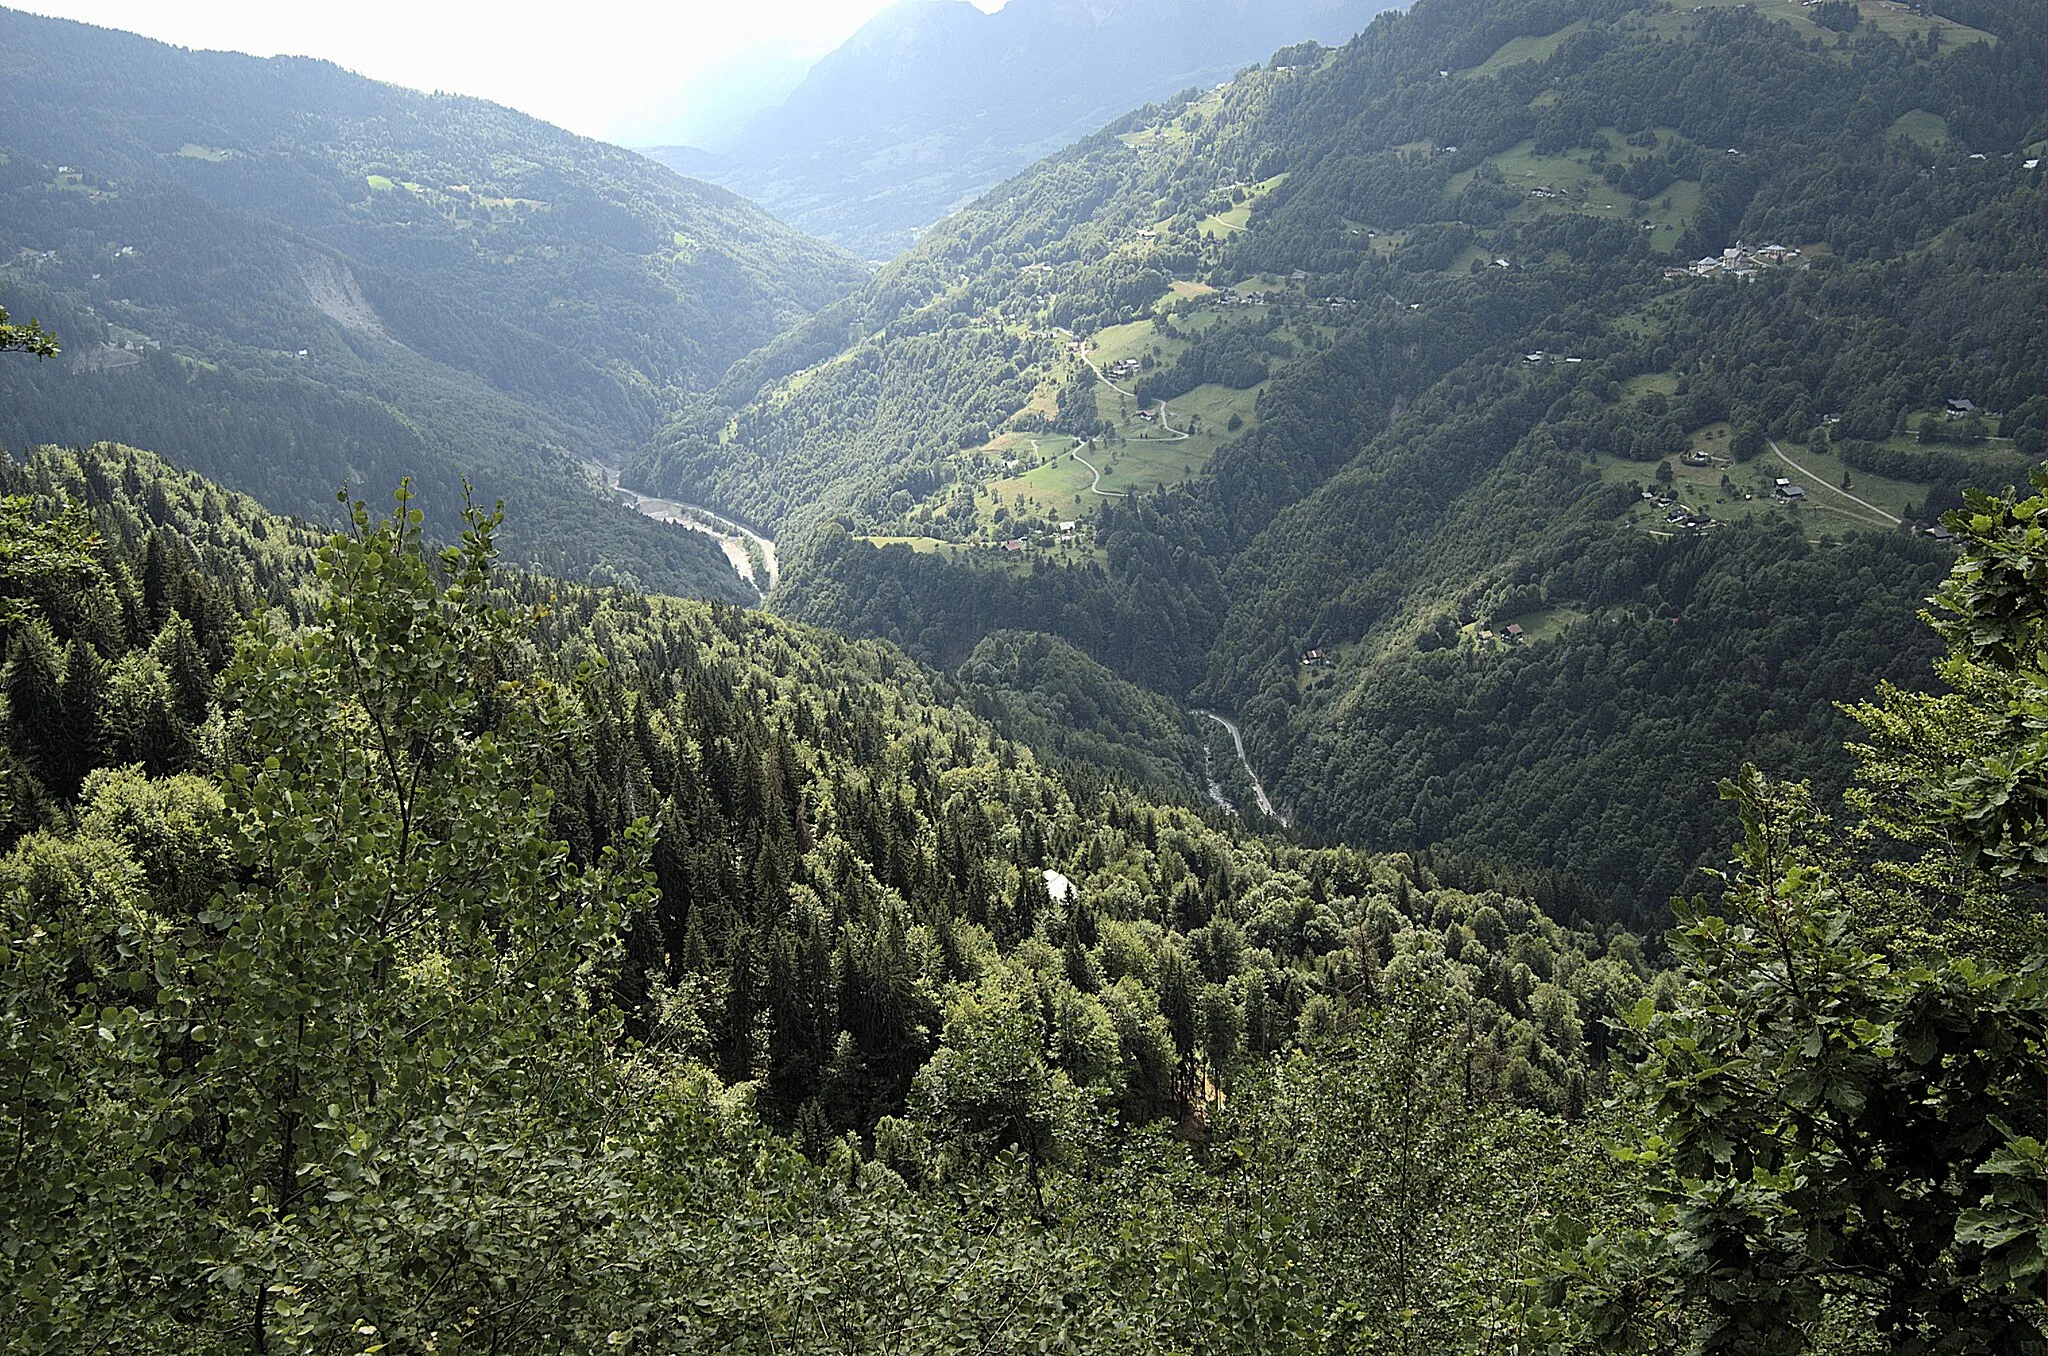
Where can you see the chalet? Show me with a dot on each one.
(1014, 544)
(1514, 634)
(1315, 659)
(1488, 637)
(1960, 409)
(1940, 533)
(1066, 529)
(1791, 493)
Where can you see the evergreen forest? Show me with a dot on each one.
(409, 954)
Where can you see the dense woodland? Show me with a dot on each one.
(1411, 475)
(407, 950)
(403, 953)
(296, 279)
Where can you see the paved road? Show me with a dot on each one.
(1177, 435)
(1096, 486)
(1105, 380)
(1836, 488)
(1258, 791)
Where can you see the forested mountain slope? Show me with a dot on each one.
(932, 101)
(292, 277)
(859, 894)
(1483, 343)
(659, 975)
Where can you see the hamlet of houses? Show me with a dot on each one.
(1740, 260)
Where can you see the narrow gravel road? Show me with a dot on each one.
(1835, 488)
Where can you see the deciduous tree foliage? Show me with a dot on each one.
(519, 967)
(1845, 1102)
(29, 338)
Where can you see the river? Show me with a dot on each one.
(1258, 791)
(733, 538)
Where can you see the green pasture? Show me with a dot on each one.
(1823, 474)
(1649, 383)
(1134, 340)
(1515, 51)
(1748, 492)
(1222, 225)
(1895, 20)
(923, 546)
(1920, 127)
(1583, 190)
(1670, 213)
(1544, 623)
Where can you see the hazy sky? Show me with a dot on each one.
(637, 73)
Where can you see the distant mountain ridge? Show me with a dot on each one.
(933, 101)
(290, 277)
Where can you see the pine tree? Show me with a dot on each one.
(176, 651)
(35, 699)
(81, 739)
(159, 571)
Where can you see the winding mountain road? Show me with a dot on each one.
(1094, 487)
(1174, 435)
